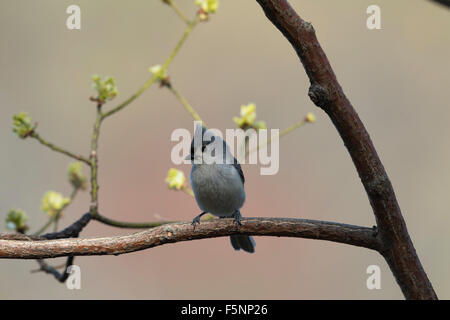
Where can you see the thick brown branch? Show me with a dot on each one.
(71, 231)
(177, 232)
(326, 93)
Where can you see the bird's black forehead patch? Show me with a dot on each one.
(206, 139)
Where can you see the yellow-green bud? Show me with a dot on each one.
(106, 89)
(53, 202)
(175, 179)
(310, 117)
(76, 176)
(22, 125)
(208, 6)
(16, 220)
(159, 72)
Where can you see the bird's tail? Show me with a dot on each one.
(243, 242)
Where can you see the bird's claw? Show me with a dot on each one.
(196, 221)
(237, 219)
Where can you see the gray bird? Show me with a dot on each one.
(218, 183)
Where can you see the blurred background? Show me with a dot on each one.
(397, 78)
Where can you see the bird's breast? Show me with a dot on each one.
(218, 188)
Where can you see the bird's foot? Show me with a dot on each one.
(237, 218)
(196, 220)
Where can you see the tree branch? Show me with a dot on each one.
(166, 64)
(44, 142)
(60, 276)
(177, 232)
(94, 161)
(326, 93)
(445, 3)
(71, 231)
(129, 225)
(177, 11)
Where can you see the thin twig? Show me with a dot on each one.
(185, 103)
(101, 116)
(129, 225)
(169, 60)
(187, 190)
(177, 10)
(44, 227)
(60, 276)
(94, 161)
(70, 232)
(57, 215)
(283, 133)
(36, 136)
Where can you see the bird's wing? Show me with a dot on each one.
(239, 170)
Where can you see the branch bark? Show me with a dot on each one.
(445, 3)
(60, 276)
(326, 93)
(27, 248)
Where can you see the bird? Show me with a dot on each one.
(217, 181)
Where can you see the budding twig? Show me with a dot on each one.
(129, 225)
(54, 219)
(186, 104)
(147, 84)
(280, 135)
(94, 162)
(177, 10)
(36, 136)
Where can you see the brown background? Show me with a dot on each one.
(397, 78)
